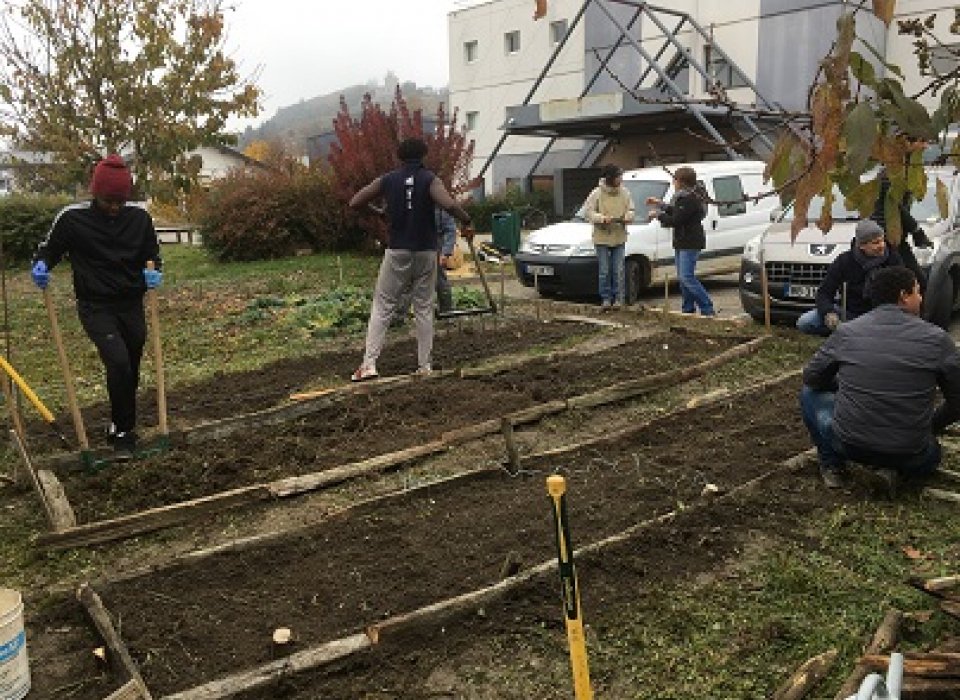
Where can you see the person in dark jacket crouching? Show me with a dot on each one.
(685, 215)
(109, 244)
(869, 392)
(854, 268)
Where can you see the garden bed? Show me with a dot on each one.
(366, 425)
(199, 620)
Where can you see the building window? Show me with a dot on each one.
(558, 30)
(470, 51)
(720, 70)
(730, 190)
(471, 122)
(511, 42)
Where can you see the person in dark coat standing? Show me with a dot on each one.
(412, 192)
(109, 244)
(854, 268)
(685, 215)
(870, 391)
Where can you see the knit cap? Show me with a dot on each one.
(111, 179)
(867, 230)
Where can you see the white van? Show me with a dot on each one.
(796, 268)
(560, 259)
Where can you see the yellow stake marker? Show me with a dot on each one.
(557, 488)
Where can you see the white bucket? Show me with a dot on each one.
(14, 668)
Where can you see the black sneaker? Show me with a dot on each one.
(124, 442)
(889, 482)
(833, 477)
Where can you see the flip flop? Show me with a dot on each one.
(364, 376)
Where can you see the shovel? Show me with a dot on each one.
(34, 399)
(158, 357)
(78, 426)
(491, 309)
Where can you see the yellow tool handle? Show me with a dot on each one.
(27, 391)
(557, 487)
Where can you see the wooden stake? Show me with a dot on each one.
(765, 290)
(15, 420)
(884, 640)
(513, 455)
(157, 355)
(941, 495)
(807, 677)
(101, 619)
(68, 384)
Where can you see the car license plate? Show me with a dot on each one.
(540, 270)
(803, 291)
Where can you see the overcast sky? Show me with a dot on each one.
(305, 48)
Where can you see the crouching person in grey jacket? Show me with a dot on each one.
(869, 392)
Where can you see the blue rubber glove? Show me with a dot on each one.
(40, 274)
(153, 278)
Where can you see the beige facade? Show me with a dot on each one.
(498, 51)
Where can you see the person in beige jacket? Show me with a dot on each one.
(610, 208)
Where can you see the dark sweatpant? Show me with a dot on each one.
(119, 331)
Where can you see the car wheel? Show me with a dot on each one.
(634, 274)
(942, 299)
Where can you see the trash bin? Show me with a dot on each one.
(506, 231)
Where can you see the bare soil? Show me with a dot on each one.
(197, 621)
(364, 426)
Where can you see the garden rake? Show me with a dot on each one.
(491, 309)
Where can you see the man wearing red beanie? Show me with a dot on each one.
(109, 244)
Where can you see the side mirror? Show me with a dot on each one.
(775, 214)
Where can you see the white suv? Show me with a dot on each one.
(561, 259)
(796, 268)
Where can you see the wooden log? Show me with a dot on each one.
(471, 432)
(951, 608)
(21, 449)
(63, 517)
(807, 677)
(513, 454)
(931, 689)
(150, 520)
(576, 318)
(304, 396)
(269, 673)
(935, 586)
(883, 641)
(941, 495)
(311, 482)
(925, 665)
(949, 474)
(129, 691)
(120, 656)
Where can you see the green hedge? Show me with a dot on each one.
(25, 220)
(270, 214)
(511, 200)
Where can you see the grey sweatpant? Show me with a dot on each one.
(403, 272)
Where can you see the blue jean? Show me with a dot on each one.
(693, 294)
(817, 408)
(610, 260)
(811, 322)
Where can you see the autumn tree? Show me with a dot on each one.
(862, 122)
(366, 148)
(147, 79)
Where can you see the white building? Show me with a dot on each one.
(763, 53)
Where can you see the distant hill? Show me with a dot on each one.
(295, 123)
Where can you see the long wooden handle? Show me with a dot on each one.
(75, 414)
(157, 356)
(483, 279)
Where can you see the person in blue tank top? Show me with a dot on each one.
(409, 265)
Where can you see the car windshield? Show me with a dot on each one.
(924, 210)
(639, 191)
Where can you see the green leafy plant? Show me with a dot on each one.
(24, 222)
